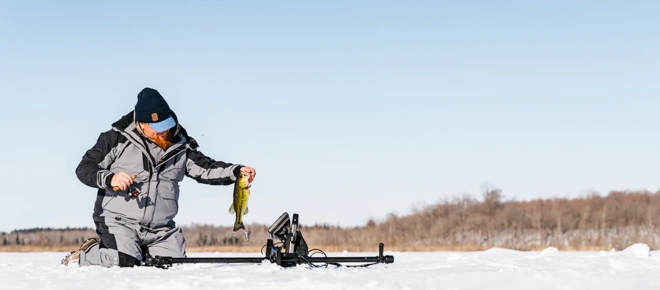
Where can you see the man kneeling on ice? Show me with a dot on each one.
(137, 167)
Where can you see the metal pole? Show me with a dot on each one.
(227, 260)
(385, 259)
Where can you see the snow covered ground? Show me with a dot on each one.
(633, 268)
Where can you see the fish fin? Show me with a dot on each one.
(246, 211)
(238, 226)
(231, 209)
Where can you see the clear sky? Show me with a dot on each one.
(347, 109)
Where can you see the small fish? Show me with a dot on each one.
(240, 204)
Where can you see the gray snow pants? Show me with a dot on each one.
(122, 243)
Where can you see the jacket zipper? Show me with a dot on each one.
(163, 161)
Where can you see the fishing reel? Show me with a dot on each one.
(133, 192)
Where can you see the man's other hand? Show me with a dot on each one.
(121, 180)
(251, 171)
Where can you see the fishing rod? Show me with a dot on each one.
(295, 252)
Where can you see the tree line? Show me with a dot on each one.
(463, 222)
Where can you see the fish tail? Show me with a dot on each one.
(238, 226)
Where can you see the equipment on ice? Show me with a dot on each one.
(294, 251)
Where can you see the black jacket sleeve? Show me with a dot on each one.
(204, 169)
(93, 168)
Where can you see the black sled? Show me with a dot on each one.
(292, 252)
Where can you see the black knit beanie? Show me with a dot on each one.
(151, 107)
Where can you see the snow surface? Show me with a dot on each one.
(633, 268)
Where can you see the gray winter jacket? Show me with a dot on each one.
(124, 149)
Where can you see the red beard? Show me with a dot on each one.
(162, 142)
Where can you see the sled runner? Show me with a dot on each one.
(294, 251)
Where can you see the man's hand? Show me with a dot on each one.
(121, 181)
(250, 171)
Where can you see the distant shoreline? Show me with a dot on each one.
(463, 223)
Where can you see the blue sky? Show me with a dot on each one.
(348, 110)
